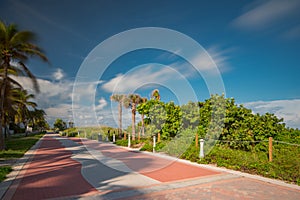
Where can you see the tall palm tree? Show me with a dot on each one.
(143, 100)
(15, 46)
(38, 118)
(24, 106)
(9, 108)
(132, 101)
(155, 94)
(119, 98)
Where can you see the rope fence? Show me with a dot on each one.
(270, 144)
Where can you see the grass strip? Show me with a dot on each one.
(17, 146)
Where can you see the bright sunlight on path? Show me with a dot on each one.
(71, 168)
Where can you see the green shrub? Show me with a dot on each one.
(63, 133)
(72, 134)
(123, 143)
(192, 153)
(147, 146)
(160, 145)
(285, 164)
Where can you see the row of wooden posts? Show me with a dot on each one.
(201, 152)
(270, 146)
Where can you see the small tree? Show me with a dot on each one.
(60, 124)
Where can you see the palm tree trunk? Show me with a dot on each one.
(120, 119)
(3, 88)
(2, 147)
(143, 126)
(133, 121)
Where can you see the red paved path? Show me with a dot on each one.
(161, 169)
(52, 173)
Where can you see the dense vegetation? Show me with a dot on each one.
(234, 136)
(16, 105)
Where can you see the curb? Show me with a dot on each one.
(242, 174)
(17, 167)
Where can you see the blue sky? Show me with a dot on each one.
(254, 44)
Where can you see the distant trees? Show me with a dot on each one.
(215, 119)
(131, 101)
(59, 124)
(15, 48)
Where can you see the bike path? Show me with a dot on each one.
(72, 168)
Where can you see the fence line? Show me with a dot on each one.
(257, 141)
(241, 141)
(286, 143)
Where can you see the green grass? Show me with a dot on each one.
(4, 171)
(284, 166)
(16, 147)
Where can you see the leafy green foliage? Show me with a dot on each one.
(4, 170)
(190, 115)
(59, 124)
(161, 117)
(285, 164)
(148, 146)
(123, 143)
(235, 137)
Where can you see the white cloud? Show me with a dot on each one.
(289, 110)
(53, 97)
(58, 74)
(266, 14)
(62, 111)
(217, 58)
(138, 77)
(101, 104)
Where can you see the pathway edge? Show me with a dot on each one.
(17, 167)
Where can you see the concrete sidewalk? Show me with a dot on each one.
(71, 168)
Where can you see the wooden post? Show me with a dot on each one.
(196, 140)
(154, 143)
(139, 136)
(270, 149)
(158, 137)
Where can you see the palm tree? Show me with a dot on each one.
(131, 101)
(15, 46)
(23, 103)
(155, 94)
(38, 118)
(143, 100)
(9, 108)
(119, 98)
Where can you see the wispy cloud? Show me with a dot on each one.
(213, 56)
(289, 110)
(138, 77)
(58, 74)
(266, 14)
(101, 104)
(63, 111)
(293, 33)
(20, 8)
(217, 58)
